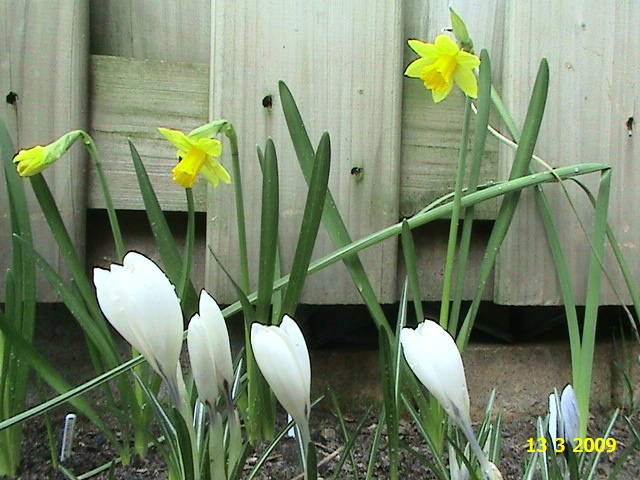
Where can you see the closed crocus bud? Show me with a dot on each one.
(141, 304)
(564, 421)
(209, 352)
(282, 356)
(435, 359)
(35, 159)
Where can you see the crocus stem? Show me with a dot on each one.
(477, 450)
(216, 447)
(455, 216)
(235, 439)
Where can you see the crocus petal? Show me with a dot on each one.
(570, 416)
(445, 46)
(200, 357)
(435, 359)
(428, 51)
(415, 68)
(217, 335)
(140, 302)
(176, 138)
(467, 82)
(279, 366)
(467, 60)
(292, 330)
(553, 418)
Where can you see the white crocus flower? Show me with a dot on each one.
(210, 352)
(435, 359)
(564, 421)
(282, 356)
(141, 304)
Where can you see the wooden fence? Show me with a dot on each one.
(120, 68)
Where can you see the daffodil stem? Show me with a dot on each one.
(455, 216)
(187, 255)
(106, 194)
(239, 199)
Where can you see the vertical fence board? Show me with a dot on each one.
(44, 60)
(593, 51)
(342, 61)
(152, 29)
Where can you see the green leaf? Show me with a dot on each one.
(331, 216)
(349, 445)
(477, 153)
(510, 200)
(162, 233)
(411, 264)
(268, 232)
(311, 217)
(373, 452)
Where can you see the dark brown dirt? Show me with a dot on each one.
(92, 450)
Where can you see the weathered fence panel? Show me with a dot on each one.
(357, 97)
(44, 54)
(594, 54)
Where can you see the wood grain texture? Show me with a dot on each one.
(129, 99)
(594, 55)
(177, 30)
(44, 54)
(344, 68)
(430, 132)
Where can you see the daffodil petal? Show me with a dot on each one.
(176, 138)
(427, 51)
(415, 68)
(467, 82)
(467, 60)
(439, 95)
(445, 46)
(211, 146)
(214, 172)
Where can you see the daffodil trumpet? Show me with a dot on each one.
(434, 358)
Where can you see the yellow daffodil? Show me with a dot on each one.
(441, 64)
(35, 159)
(197, 155)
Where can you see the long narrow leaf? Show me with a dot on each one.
(411, 264)
(331, 216)
(510, 201)
(311, 217)
(161, 232)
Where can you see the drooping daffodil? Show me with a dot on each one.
(140, 302)
(210, 352)
(564, 420)
(283, 358)
(35, 159)
(441, 64)
(197, 154)
(435, 359)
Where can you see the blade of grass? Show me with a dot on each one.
(349, 445)
(510, 201)
(477, 152)
(343, 429)
(373, 452)
(311, 217)
(331, 216)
